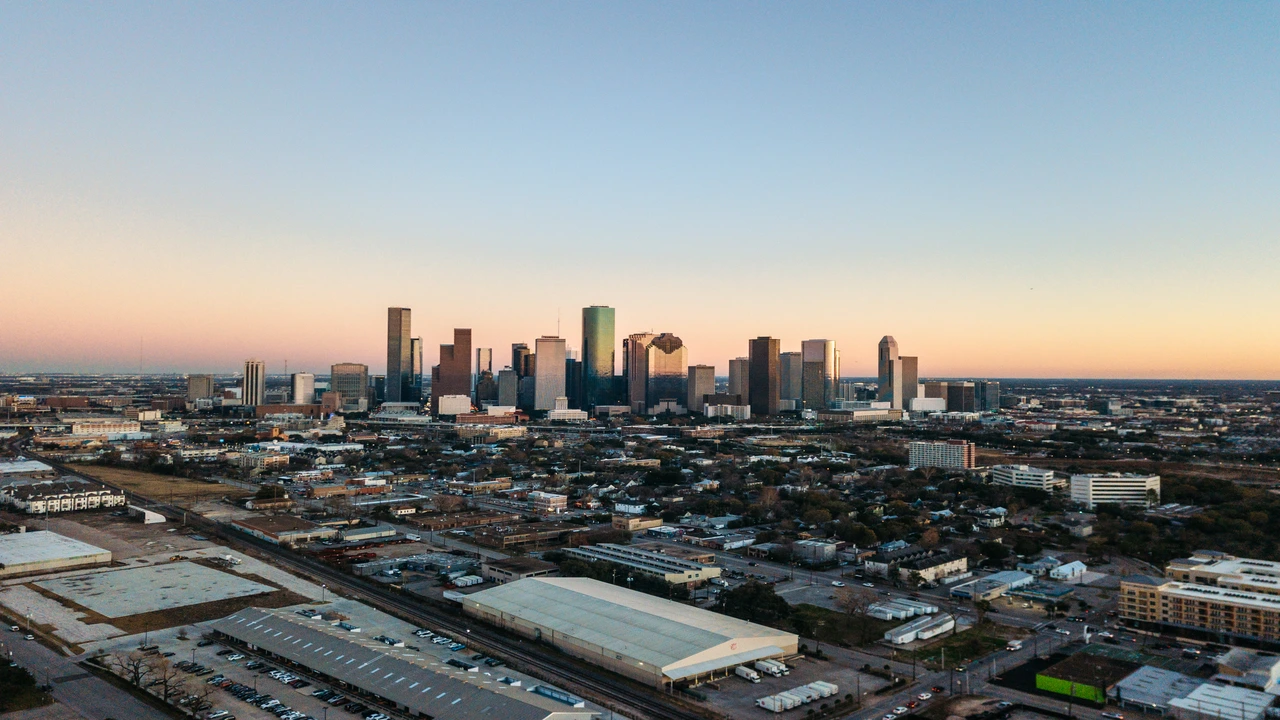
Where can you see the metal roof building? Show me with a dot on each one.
(418, 684)
(647, 638)
(43, 551)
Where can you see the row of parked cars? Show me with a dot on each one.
(336, 699)
(439, 639)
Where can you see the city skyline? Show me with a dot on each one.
(1029, 191)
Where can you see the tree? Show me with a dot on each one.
(929, 539)
(170, 679)
(981, 607)
(855, 602)
(755, 601)
(135, 666)
(994, 550)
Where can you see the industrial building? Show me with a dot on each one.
(516, 568)
(647, 562)
(417, 684)
(284, 529)
(652, 640)
(41, 551)
(1085, 675)
(1221, 702)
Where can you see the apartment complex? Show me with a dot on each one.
(1115, 488)
(1209, 592)
(53, 496)
(1025, 476)
(950, 454)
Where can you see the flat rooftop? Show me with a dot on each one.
(277, 524)
(122, 593)
(43, 546)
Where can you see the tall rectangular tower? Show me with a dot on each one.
(909, 367)
(635, 358)
(765, 381)
(702, 382)
(598, 362)
(304, 388)
(415, 361)
(253, 390)
(791, 369)
(549, 382)
(740, 378)
(454, 370)
(821, 373)
(399, 355)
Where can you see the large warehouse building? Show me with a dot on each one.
(419, 684)
(656, 641)
(26, 553)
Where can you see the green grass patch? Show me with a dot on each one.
(965, 646)
(18, 690)
(838, 628)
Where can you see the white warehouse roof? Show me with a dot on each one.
(679, 639)
(42, 546)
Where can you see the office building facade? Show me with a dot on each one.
(453, 375)
(909, 368)
(1027, 477)
(791, 376)
(598, 362)
(351, 382)
(253, 387)
(199, 386)
(1092, 490)
(764, 382)
(740, 378)
(549, 380)
(635, 358)
(667, 366)
(508, 388)
(519, 358)
(303, 388)
(416, 368)
(399, 378)
(890, 375)
(700, 382)
(820, 375)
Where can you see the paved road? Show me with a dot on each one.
(88, 695)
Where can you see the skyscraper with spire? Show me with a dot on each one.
(890, 377)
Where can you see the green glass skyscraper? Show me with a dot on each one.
(597, 355)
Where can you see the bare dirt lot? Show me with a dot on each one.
(161, 487)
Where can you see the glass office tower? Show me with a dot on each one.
(597, 356)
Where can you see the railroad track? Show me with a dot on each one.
(605, 689)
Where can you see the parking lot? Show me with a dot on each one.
(736, 697)
(247, 676)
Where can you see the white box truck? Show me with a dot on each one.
(768, 668)
(747, 673)
(795, 700)
(772, 704)
(1013, 645)
(805, 693)
(832, 687)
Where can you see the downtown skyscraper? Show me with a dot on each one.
(399, 379)
(598, 361)
(453, 375)
(764, 383)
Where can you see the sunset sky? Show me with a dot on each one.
(1009, 189)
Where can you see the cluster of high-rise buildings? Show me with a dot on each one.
(653, 376)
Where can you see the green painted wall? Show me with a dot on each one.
(1065, 687)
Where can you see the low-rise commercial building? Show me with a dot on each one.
(814, 552)
(284, 529)
(545, 503)
(517, 568)
(41, 551)
(635, 523)
(1092, 490)
(653, 564)
(1221, 702)
(654, 641)
(932, 569)
(1027, 477)
(924, 628)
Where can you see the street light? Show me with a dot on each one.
(323, 587)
